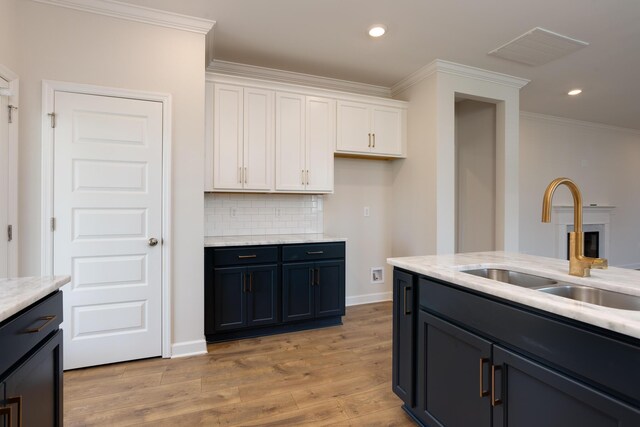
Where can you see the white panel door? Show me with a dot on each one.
(353, 127)
(290, 152)
(320, 142)
(258, 139)
(4, 185)
(227, 137)
(107, 205)
(387, 130)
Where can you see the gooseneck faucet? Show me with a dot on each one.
(579, 265)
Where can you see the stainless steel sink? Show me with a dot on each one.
(596, 296)
(512, 277)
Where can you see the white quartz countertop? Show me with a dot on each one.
(449, 268)
(21, 292)
(269, 239)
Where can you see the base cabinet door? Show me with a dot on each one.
(33, 392)
(298, 298)
(329, 288)
(453, 375)
(533, 395)
(403, 380)
(262, 295)
(230, 298)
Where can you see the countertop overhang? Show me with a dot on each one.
(449, 268)
(269, 239)
(19, 293)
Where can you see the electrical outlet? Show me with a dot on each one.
(367, 211)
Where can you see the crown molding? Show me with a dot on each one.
(441, 66)
(135, 13)
(574, 122)
(282, 76)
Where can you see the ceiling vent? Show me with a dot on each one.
(537, 47)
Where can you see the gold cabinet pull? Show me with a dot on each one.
(317, 276)
(46, 319)
(244, 282)
(374, 140)
(494, 402)
(315, 252)
(369, 141)
(251, 282)
(483, 392)
(406, 288)
(302, 175)
(6, 411)
(245, 174)
(312, 278)
(246, 256)
(239, 175)
(307, 176)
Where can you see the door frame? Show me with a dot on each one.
(49, 88)
(12, 212)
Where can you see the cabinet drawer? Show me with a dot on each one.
(245, 255)
(24, 331)
(313, 251)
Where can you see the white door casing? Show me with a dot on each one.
(320, 140)
(290, 150)
(108, 203)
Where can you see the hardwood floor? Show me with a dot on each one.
(338, 376)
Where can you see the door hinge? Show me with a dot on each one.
(53, 224)
(53, 119)
(11, 108)
(9, 232)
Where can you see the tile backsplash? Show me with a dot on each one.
(257, 214)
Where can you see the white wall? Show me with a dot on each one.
(8, 48)
(604, 161)
(475, 176)
(360, 183)
(67, 45)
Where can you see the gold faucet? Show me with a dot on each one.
(579, 265)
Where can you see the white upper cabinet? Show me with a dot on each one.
(371, 130)
(242, 139)
(305, 137)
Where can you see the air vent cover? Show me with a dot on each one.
(537, 47)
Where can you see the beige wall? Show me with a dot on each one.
(475, 176)
(67, 45)
(604, 162)
(360, 183)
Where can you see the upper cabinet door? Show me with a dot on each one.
(290, 142)
(227, 140)
(353, 127)
(320, 143)
(387, 130)
(258, 139)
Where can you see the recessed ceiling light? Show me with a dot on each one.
(377, 30)
(574, 92)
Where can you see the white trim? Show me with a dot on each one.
(302, 89)
(574, 122)
(369, 298)
(48, 92)
(283, 76)
(136, 13)
(188, 348)
(457, 70)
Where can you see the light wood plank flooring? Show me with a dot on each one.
(338, 376)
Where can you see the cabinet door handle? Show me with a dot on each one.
(369, 141)
(407, 288)
(315, 252)
(307, 176)
(318, 276)
(245, 174)
(244, 282)
(47, 320)
(494, 402)
(239, 175)
(302, 175)
(246, 256)
(374, 140)
(251, 282)
(483, 392)
(312, 276)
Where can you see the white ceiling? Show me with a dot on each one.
(328, 38)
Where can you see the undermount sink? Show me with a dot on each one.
(595, 296)
(581, 293)
(512, 277)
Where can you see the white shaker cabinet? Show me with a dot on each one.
(305, 139)
(242, 138)
(370, 130)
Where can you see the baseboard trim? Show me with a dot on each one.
(369, 298)
(188, 348)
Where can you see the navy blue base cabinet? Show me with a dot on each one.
(479, 361)
(261, 290)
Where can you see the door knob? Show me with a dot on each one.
(153, 241)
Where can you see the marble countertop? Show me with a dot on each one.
(449, 268)
(269, 239)
(21, 292)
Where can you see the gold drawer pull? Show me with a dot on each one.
(9, 412)
(6, 411)
(47, 320)
(315, 252)
(247, 256)
(483, 392)
(494, 402)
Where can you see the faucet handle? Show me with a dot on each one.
(599, 263)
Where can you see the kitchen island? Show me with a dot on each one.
(471, 350)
